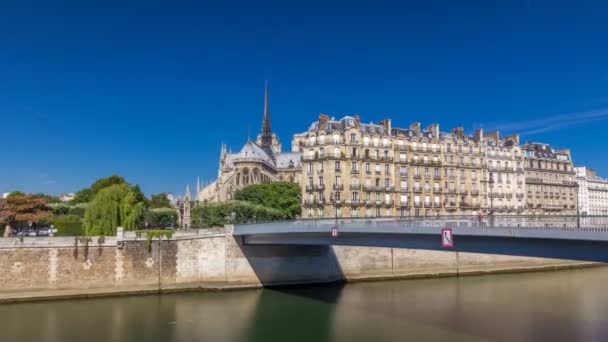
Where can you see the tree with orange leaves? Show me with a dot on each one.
(23, 208)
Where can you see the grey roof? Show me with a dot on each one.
(251, 150)
(284, 160)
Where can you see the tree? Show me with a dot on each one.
(161, 217)
(283, 196)
(113, 206)
(86, 195)
(47, 197)
(218, 214)
(160, 201)
(23, 208)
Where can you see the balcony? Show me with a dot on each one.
(452, 191)
(354, 172)
(428, 204)
(310, 188)
(474, 192)
(464, 192)
(418, 176)
(355, 187)
(437, 191)
(338, 187)
(389, 203)
(337, 203)
(417, 204)
(320, 187)
(368, 187)
(437, 177)
(465, 205)
(417, 189)
(402, 175)
(403, 204)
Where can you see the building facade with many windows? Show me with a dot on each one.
(592, 192)
(551, 186)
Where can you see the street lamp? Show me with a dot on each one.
(335, 202)
(491, 200)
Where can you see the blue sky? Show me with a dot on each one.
(149, 90)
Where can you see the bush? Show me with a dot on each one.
(161, 217)
(283, 196)
(68, 209)
(218, 214)
(68, 225)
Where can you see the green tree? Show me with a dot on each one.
(47, 197)
(87, 194)
(160, 201)
(218, 214)
(113, 206)
(161, 217)
(283, 196)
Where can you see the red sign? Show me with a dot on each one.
(334, 232)
(447, 238)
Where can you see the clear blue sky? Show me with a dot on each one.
(149, 91)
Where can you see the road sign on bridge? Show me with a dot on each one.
(447, 238)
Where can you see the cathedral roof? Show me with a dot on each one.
(251, 150)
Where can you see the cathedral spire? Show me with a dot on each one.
(266, 134)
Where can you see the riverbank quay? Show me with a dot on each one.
(214, 260)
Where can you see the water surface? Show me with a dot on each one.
(546, 306)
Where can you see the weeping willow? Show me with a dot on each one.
(112, 207)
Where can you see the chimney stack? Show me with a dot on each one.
(358, 119)
(415, 127)
(479, 135)
(514, 137)
(495, 135)
(323, 119)
(387, 125)
(459, 132)
(434, 129)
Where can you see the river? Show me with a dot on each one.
(567, 305)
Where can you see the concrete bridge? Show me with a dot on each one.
(548, 237)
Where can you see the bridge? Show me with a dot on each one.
(560, 237)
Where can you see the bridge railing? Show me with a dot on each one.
(529, 222)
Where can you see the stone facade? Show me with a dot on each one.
(353, 169)
(592, 192)
(550, 180)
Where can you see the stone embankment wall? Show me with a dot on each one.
(38, 268)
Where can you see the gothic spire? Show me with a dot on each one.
(266, 133)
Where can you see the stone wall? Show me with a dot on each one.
(54, 267)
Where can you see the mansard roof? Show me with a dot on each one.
(289, 159)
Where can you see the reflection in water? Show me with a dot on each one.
(566, 305)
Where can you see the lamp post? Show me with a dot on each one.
(578, 210)
(491, 200)
(335, 202)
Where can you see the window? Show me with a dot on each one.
(321, 152)
(427, 172)
(387, 183)
(368, 167)
(403, 171)
(310, 168)
(386, 169)
(436, 172)
(355, 197)
(354, 166)
(321, 181)
(402, 157)
(338, 165)
(353, 137)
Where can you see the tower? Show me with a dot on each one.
(185, 210)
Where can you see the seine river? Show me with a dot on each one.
(548, 306)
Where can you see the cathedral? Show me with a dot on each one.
(259, 161)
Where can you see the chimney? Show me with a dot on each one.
(459, 132)
(514, 137)
(479, 135)
(591, 173)
(323, 119)
(358, 119)
(415, 127)
(493, 135)
(434, 129)
(387, 124)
